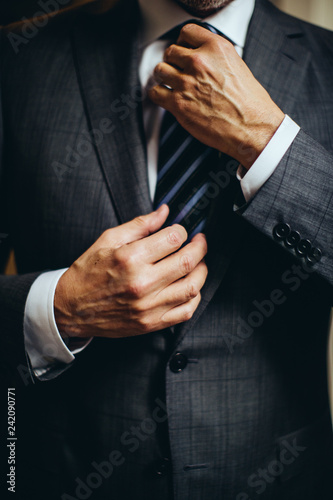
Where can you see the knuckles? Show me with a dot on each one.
(137, 289)
(196, 60)
(142, 320)
(188, 313)
(190, 308)
(186, 263)
(107, 238)
(177, 235)
(141, 221)
(169, 52)
(159, 69)
(122, 258)
(187, 28)
(192, 290)
(101, 255)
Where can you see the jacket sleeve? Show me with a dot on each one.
(295, 206)
(14, 364)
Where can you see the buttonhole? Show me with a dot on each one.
(195, 467)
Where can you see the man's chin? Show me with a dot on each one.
(202, 12)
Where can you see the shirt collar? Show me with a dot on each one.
(159, 16)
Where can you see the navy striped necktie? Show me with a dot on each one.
(185, 167)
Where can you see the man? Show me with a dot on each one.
(142, 376)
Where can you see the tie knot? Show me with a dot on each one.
(173, 34)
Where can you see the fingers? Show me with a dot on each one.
(178, 56)
(138, 228)
(168, 75)
(159, 245)
(161, 96)
(192, 35)
(179, 264)
(180, 313)
(183, 290)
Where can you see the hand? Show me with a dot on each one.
(214, 95)
(131, 281)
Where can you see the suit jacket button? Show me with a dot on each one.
(314, 256)
(292, 239)
(281, 231)
(178, 362)
(162, 467)
(304, 248)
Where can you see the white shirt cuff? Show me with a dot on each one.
(253, 179)
(43, 342)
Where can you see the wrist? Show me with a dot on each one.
(257, 138)
(63, 309)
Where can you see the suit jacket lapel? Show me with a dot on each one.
(277, 58)
(106, 57)
(276, 54)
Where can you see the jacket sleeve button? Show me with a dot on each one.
(314, 256)
(281, 231)
(303, 248)
(292, 239)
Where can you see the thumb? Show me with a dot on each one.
(138, 228)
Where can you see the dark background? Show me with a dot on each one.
(14, 10)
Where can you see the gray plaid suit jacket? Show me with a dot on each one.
(234, 404)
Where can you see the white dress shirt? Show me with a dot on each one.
(44, 344)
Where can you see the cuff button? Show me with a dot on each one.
(314, 256)
(281, 231)
(292, 239)
(303, 248)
